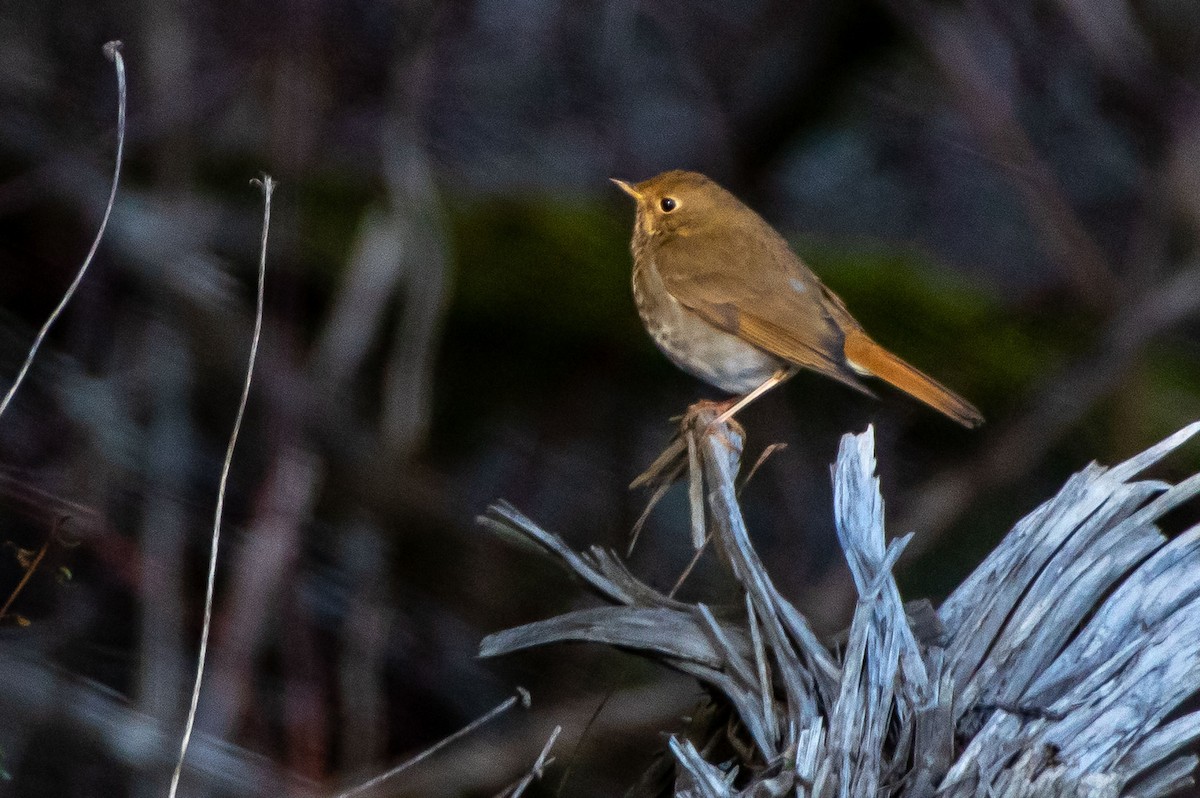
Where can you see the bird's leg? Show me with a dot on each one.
(768, 384)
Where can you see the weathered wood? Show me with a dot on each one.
(1060, 658)
(668, 633)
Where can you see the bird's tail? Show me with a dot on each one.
(866, 356)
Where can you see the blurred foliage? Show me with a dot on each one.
(328, 208)
(978, 345)
(555, 267)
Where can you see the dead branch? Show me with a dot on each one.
(1053, 669)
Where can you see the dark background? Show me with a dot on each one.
(1007, 194)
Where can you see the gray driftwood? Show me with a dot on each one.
(1058, 670)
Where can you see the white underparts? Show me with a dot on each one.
(859, 369)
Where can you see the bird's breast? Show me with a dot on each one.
(702, 349)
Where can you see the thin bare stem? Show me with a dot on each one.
(762, 458)
(33, 566)
(267, 184)
(499, 709)
(544, 760)
(587, 729)
(687, 571)
(112, 51)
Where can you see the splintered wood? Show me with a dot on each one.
(1056, 669)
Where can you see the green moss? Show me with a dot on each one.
(329, 212)
(545, 264)
(1161, 396)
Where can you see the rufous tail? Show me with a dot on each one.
(865, 355)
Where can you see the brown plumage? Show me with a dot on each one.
(725, 298)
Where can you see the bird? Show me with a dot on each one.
(726, 299)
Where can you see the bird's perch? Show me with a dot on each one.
(1056, 669)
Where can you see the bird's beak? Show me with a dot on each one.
(628, 189)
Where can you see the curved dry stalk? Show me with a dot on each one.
(268, 188)
(112, 51)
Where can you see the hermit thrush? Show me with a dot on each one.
(725, 298)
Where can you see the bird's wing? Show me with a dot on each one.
(784, 309)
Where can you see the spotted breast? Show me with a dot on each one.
(692, 344)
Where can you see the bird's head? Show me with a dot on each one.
(679, 202)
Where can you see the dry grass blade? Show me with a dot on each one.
(112, 51)
(661, 475)
(522, 697)
(762, 459)
(687, 569)
(267, 184)
(543, 761)
(33, 566)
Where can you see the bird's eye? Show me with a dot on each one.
(667, 204)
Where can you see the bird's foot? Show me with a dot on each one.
(700, 417)
(713, 415)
